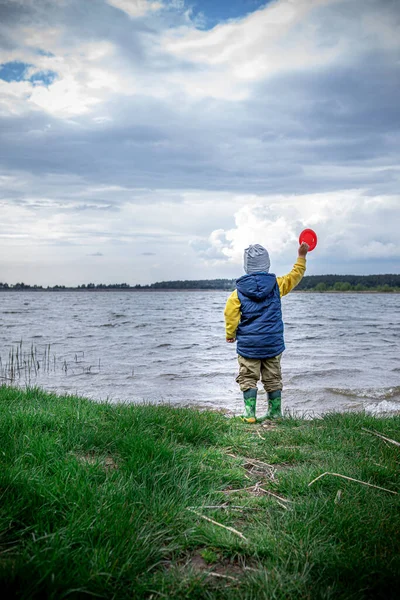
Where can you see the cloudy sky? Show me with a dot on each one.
(146, 140)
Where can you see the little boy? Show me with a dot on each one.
(253, 317)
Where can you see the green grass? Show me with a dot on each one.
(94, 499)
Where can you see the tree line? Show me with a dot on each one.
(350, 282)
(317, 283)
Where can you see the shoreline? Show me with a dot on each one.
(157, 290)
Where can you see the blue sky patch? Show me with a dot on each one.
(215, 11)
(17, 71)
(45, 78)
(13, 71)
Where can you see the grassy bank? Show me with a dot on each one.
(108, 501)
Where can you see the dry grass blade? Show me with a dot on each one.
(250, 487)
(274, 495)
(256, 465)
(381, 436)
(259, 435)
(235, 531)
(256, 462)
(225, 505)
(352, 479)
(223, 576)
(251, 461)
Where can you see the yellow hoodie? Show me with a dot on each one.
(285, 284)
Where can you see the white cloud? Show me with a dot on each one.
(136, 8)
(380, 250)
(204, 141)
(86, 75)
(282, 36)
(13, 97)
(194, 233)
(225, 62)
(349, 223)
(64, 97)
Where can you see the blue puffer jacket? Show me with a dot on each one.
(260, 332)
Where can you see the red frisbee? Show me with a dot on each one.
(309, 237)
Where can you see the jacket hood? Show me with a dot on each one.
(256, 286)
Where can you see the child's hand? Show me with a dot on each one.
(230, 340)
(303, 249)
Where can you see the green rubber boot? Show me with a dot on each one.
(274, 406)
(250, 401)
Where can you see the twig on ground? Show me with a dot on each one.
(225, 505)
(254, 461)
(351, 479)
(275, 495)
(8, 550)
(224, 576)
(381, 436)
(250, 487)
(235, 531)
(258, 464)
(259, 435)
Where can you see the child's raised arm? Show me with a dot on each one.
(289, 281)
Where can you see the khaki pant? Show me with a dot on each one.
(252, 369)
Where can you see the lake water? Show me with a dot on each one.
(342, 349)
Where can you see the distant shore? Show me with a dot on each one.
(388, 283)
(157, 290)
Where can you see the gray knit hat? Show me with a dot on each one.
(256, 258)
